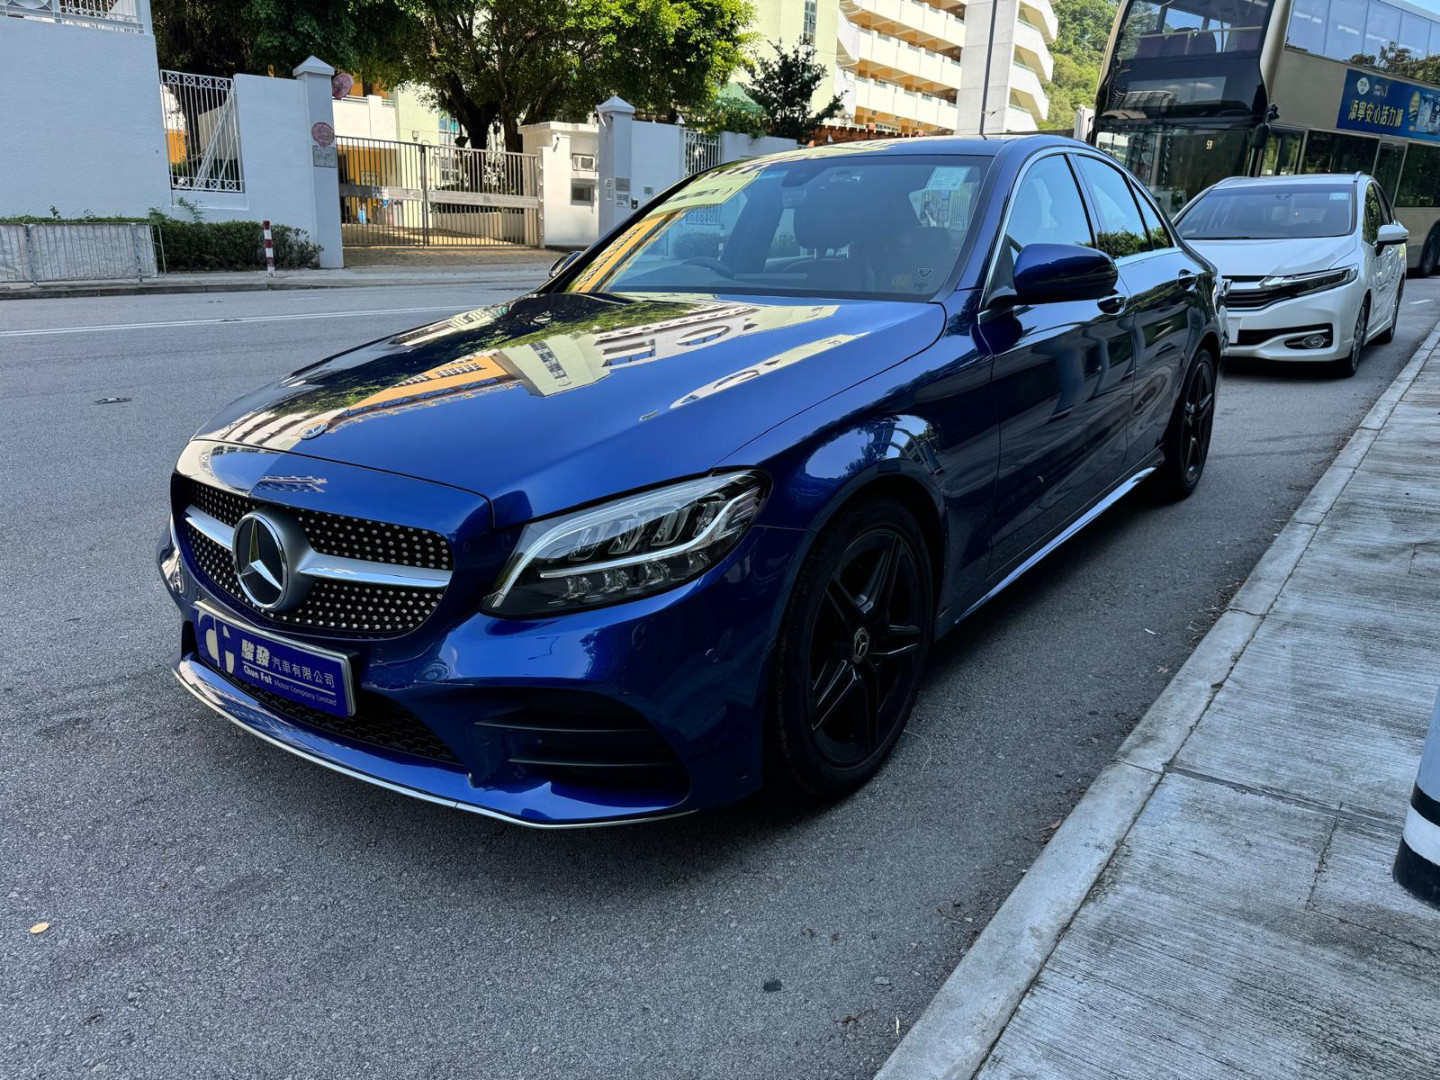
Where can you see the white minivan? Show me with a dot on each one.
(1314, 266)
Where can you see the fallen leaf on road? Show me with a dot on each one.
(40, 928)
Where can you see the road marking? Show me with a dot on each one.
(1427, 301)
(227, 320)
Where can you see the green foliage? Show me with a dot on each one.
(1079, 47)
(222, 37)
(784, 85)
(1398, 60)
(516, 62)
(230, 245)
(730, 111)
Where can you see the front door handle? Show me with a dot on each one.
(1187, 279)
(1114, 304)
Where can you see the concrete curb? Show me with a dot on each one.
(954, 1035)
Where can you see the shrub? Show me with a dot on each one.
(230, 245)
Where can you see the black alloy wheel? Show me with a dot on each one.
(1187, 442)
(852, 649)
(1348, 364)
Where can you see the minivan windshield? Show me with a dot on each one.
(883, 226)
(1270, 212)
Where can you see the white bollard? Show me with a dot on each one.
(1417, 867)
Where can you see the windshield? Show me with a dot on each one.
(890, 227)
(1270, 212)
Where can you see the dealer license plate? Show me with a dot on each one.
(299, 673)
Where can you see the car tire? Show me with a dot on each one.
(1187, 439)
(1388, 335)
(1429, 255)
(852, 646)
(1348, 364)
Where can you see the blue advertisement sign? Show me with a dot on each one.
(1384, 106)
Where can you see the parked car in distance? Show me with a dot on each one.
(1314, 265)
(689, 517)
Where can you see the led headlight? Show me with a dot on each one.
(628, 548)
(1292, 285)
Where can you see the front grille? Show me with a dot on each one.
(338, 608)
(1250, 299)
(378, 721)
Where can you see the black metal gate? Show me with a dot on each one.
(401, 193)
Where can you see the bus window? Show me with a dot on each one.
(1420, 180)
(1307, 25)
(1328, 152)
(1282, 153)
(1382, 28)
(1387, 166)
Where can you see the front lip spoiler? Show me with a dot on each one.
(197, 688)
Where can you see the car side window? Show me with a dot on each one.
(1374, 216)
(1387, 212)
(1121, 231)
(1046, 209)
(1157, 237)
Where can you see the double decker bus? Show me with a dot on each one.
(1192, 91)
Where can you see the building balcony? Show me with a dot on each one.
(1034, 49)
(1018, 119)
(1027, 89)
(1042, 15)
(910, 19)
(886, 103)
(901, 62)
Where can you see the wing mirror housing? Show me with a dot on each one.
(1056, 273)
(560, 264)
(1391, 235)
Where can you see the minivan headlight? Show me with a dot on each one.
(1292, 285)
(627, 548)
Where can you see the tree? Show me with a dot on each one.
(258, 37)
(1079, 47)
(515, 62)
(784, 86)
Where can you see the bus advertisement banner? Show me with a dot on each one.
(1384, 106)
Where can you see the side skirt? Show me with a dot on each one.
(1115, 495)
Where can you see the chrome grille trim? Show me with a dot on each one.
(329, 567)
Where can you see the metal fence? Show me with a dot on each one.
(202, 132)
(121, 15)
(103, 251)
(402, 193)
(702, 151)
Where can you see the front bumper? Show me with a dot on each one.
(641, 710)
(1275, 332)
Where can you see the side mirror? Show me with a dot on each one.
(565, 260)
(1391, 235)
(1055, 273)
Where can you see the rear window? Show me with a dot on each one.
(1270, 212)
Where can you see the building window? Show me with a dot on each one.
(807, 31)
(582, 192)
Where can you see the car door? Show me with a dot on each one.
(1061, 375)
(1381, 264)
(1394, 258)
(1162, 281)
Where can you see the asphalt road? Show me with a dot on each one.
(220, 909)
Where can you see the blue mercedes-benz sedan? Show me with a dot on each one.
(687, 519)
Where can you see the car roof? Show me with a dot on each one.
(1305, 180)
(988, 146)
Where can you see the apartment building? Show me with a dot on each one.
(919, 66)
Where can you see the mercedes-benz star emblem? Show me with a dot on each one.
(262, 562)
(860, 647)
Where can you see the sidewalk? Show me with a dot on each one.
(1220, 903)
(521, 267)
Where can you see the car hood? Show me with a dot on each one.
(1262, 258)
(558, 399)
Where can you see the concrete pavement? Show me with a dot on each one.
(1220, 902)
